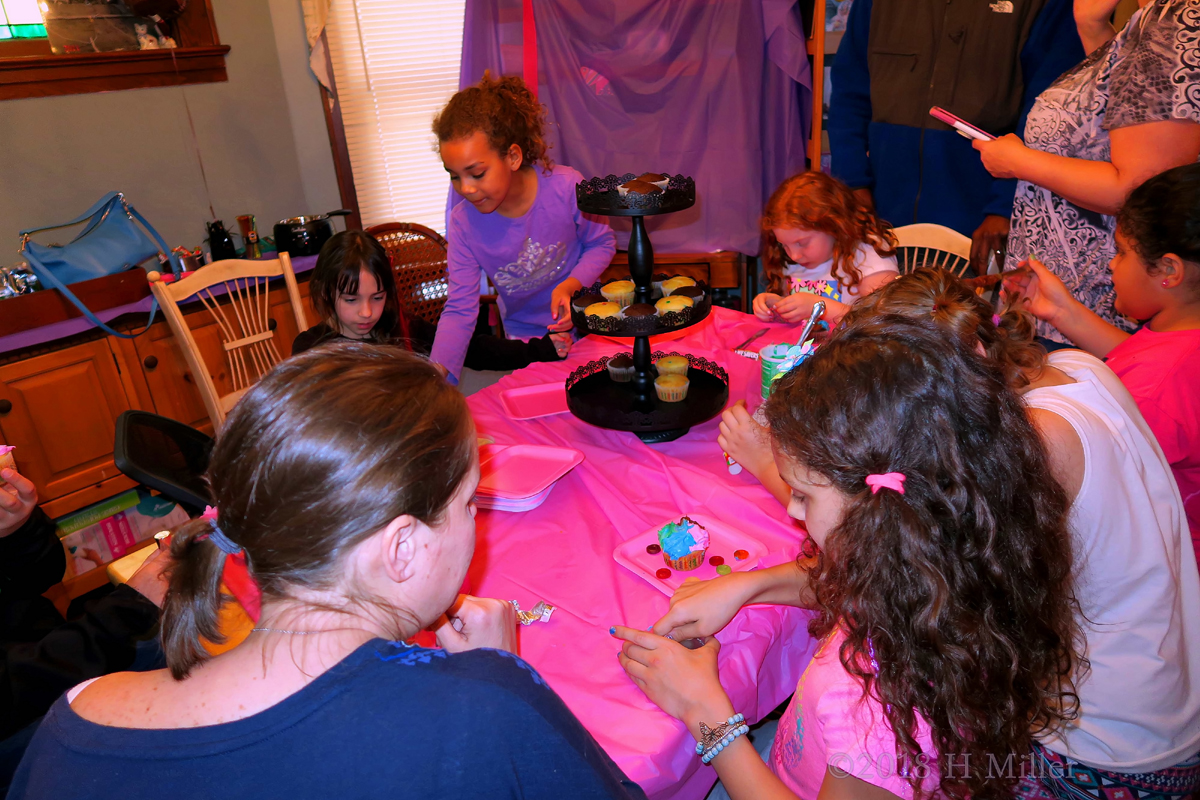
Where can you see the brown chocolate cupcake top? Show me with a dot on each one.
(694, 292)
(639, 310)
(621, 361)
(651, 177)
(585, 300)
(641, 187)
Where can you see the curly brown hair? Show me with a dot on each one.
(505, 111)
(934, 294)
(960, 588)
(814, 201)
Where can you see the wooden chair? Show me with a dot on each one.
(418, 257)
(926, 245)
(241, 318)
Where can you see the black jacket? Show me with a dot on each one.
(41, 654)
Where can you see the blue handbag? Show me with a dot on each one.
(109, 243)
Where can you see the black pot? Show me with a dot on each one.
(304, 236)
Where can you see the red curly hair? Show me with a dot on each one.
(813, 201)
(505, 111)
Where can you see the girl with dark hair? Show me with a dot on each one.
(344, 480)
(521, 225)
(941, 582)
(1156, 275)
(820, 243)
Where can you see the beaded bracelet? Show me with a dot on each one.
(714, 740)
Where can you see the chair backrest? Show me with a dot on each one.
(926, 245)
(166, 455)
(237, 295)
(418, 256)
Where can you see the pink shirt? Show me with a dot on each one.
(1162, 372)
(830, 724)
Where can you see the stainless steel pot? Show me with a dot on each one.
(304, 236)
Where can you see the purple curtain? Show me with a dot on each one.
(716, 89)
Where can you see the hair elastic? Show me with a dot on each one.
(887, 480)
(217, 536)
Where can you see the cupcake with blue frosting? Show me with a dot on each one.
(683, 544)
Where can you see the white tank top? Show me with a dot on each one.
(1137, 581)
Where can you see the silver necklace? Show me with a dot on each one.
(294, 633)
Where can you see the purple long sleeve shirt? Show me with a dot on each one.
(525, 258)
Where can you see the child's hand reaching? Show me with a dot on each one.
(562, 343)
(684, 683)
(1043, 293)
(560, 305)
(763, 305)
(700, 609)
(749, 444)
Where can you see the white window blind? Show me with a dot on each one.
(395, 64)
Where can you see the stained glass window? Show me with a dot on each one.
(20, 19)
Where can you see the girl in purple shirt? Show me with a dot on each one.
(520, 225)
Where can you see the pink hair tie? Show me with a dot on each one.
(996, 320)
(210, 512)
(888, 480)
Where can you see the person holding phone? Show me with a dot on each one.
(984, 62)
(1127, 113)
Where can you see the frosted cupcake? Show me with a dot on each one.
(620, 368)
(672, 303)
(620, 292)
(683, 544)
(672, 365)
(671, 388)
(678, 282)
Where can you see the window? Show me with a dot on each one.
(20, 19)
(394, 67)
(28, 68)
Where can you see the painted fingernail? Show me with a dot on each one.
(612, 631)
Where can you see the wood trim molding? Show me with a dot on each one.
(337, 142)
(54, 75)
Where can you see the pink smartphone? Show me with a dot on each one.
(963, 127)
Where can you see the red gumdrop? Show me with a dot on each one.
(653, 549)
(740, 555)
(663, 574)
(716, 561)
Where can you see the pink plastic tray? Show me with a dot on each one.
(723, 540)
(530, 402)
(523, 470)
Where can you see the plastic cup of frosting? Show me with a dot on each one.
(770, 357)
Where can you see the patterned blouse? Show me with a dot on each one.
(1149, 72)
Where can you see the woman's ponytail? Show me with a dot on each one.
(191, 610)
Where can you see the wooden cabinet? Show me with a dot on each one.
(720, 270)
(59, 409)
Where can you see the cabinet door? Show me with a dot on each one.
(64, 406)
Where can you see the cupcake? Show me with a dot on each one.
(683, 544)
(618, 292)
(620, 368)
(671, 284)
(656, 282)
(6, 459)
(584, 300)
(638, 310)
(694, 292)
(658, 179)
(637, 187)
(673, 303)
(671, 388)
(672, 365)
(602, 310)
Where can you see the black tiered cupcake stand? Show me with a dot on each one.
(595, 397)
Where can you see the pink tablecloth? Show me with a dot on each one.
(562, 553)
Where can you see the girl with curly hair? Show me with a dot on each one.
(820, 242)
(520, 226)
(941, 583)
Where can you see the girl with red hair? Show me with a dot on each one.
(820, 243)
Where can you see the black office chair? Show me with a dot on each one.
(165, 455)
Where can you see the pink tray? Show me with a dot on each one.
(722, 541)
(530, 402)
(523, 470)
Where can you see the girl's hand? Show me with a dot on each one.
(474, 622)
(560, 305)
(1043, 293)
(1004, 157)
(797, 308)
(18, 498)
(684, 683)
(747, 442)
(762, 306)
(562, 343)
(702, 608)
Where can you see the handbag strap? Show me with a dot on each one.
(91, 212)
(48, 278)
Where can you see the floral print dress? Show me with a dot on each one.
(1149, 72)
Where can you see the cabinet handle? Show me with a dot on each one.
(150, 363)
(5, 407)
(271, 323)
